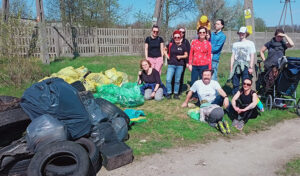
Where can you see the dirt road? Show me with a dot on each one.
(261, 154)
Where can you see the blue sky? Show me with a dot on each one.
(268, 10)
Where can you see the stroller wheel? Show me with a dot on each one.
(269, 103)
(298, 107)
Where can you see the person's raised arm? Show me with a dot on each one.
(290, 42)
(262, 52)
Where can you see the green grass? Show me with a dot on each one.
(292, 168)
(168, 124)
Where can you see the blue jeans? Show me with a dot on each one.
(214, 66)
(177, 70)
(197, 73)
(237, 78)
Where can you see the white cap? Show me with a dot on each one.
(243, 29)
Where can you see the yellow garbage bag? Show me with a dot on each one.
(81, 71)
(69, 72)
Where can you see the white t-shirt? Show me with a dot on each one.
(243, 49)
(207, 92)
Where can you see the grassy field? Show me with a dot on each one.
(292, 168)
(168, 124)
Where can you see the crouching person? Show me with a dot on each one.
(153, 87)
(244, 105)
(213, 114)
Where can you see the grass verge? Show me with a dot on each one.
(292, 168)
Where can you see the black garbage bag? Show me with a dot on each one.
(59, 99)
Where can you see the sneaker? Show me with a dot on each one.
(221, 127)
(235, 123)
(176, 96)
(226, 125)
(168, 96)
(240, 125)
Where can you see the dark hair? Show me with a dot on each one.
(222, 22)
(144, 60)
(205, 70)
(209, 33)
(277, 31)
(248, 79)
(201, 27)
(155, 26)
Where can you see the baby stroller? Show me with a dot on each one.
(282, 88)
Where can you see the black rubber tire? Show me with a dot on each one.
(78, 85)
(17, 168)
(66, 152)
(111, 109)
(93, 151)
(13, 124)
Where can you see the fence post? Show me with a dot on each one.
(130, 40)
(56, 43)
(95, 34)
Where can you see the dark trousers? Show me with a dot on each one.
(245, 116)
(237, 78)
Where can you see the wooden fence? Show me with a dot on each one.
(64, 42)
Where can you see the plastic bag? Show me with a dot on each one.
(44, 130)
(194, 113)
(120, 126)
(128, 95)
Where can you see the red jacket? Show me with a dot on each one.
(200, 53)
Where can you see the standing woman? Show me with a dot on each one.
(177, 54)
(154, 49)
(200, 55)
(153, 87)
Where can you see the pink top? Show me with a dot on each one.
(200, 53)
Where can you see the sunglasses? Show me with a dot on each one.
(201, 32)
(155, 31)
(247, 84)
(182, 32)
(177, 37)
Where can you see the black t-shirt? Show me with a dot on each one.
(154, 77)
(246, 99)
(275, 51)
(154, 46)
(175, 51)
(187, 45)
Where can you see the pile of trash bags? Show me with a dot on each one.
(67, 125)
(128, 95)
(90, 80)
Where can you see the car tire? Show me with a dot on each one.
(67, 153)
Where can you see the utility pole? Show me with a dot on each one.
(5, 10)
(250, 24)
(156, 20)
(42, 32)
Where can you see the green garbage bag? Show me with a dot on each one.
(128, 95)
(108, 92)
(194, 113)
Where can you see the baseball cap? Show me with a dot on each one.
(203, 19)
(243, 29)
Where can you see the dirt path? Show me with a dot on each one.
(260, 153)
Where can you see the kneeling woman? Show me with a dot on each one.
(153, 87)
(244, 104)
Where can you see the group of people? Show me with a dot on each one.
(201, 57)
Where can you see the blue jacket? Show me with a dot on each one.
(217, 42)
